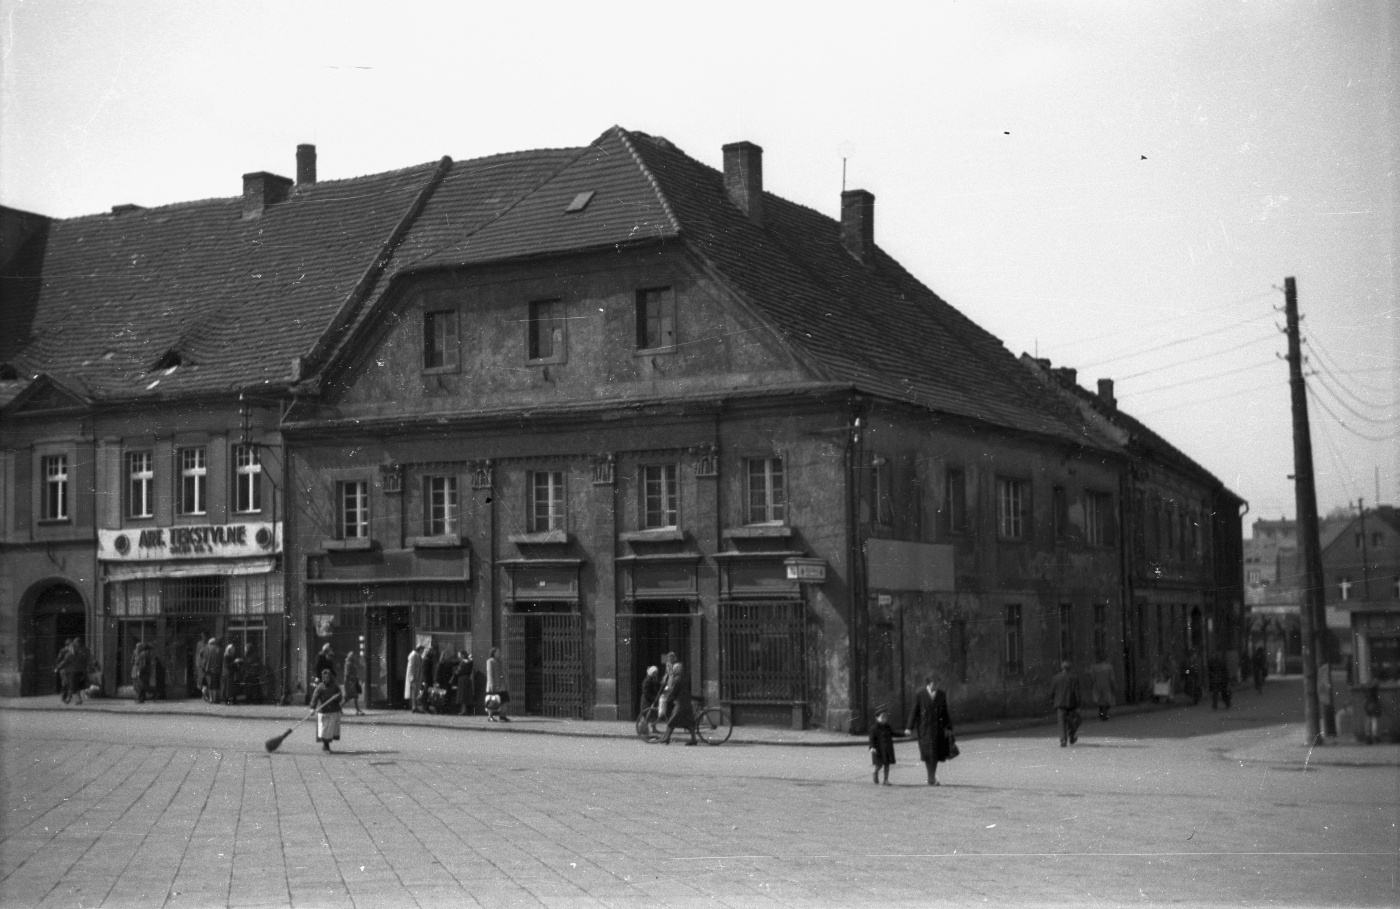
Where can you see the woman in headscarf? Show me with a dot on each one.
(228, 687)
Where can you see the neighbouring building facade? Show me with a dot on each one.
(587, 406)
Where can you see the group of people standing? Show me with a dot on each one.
(224, 673)
(433, 684)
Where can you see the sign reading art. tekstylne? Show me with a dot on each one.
(190, 541)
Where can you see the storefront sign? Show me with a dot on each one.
(190, 541)
(808, 571)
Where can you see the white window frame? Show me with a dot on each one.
(140, 484)
(767, 491)
(442, 508)
(194, 480)
(660, 496)
(54, 499)
(247, 479)
(1013, 501)
(548, 501)
(352, 509)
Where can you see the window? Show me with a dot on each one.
(1066, 632)
(352, 507)
(546, 501)
(194, 477)
(659, 496)
(656, 319)
(440, 495)
(883, 481)
(1014, 657)
(55, 504)
(1059, 508)
(247, 479)
(767, 491)
(140, 484)
(546, 340)
(440, 340)
(1012, 501)
(1346, 584)
(957, 646)
(955, 501)
(1098, 508)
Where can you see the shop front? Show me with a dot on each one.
(544, 638)
(178, 587)
(660, 614)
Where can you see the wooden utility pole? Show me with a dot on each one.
(1305, 494)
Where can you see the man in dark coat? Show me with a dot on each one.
(142, 671)
(1064, 695)
(430, 663)
(464, 680)
(677, 693)
(932, 724)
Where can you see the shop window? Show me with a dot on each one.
(546, 327)
(547, 501)
(352, 509)
(1015, 639)
(955, 501)
(656, 319)
(659, 495)
(54, 506)
(140, 484)
(194, 480)
(1098, 513)
(440, 349)
(247, 479)
(1013, 506)
(440, 495)
(767, 491)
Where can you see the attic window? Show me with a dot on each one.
(580, 202)
(169, 361)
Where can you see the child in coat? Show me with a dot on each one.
(881, 746)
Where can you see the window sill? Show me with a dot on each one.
(441, 370)
(758, 532)
(436, 541)
(547, 361)
(548, 536)
(54, 522)
(358, 544)
(653, 535)
(653, 351)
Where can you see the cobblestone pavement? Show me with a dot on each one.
(1185, 807)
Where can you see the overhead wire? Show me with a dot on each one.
(1109, 334)
(1342, 423)
(1225, 397)
(1268, 337)
(1349, 409)
(1176, 343)
(1215, 375)
(1322, 361)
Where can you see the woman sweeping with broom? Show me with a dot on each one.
(325, 701)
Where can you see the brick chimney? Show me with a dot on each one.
(1106, 393)
(743, 178)
(306, 164)
(1068, 375)
(858, 223)
(262, 189)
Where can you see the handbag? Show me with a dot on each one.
(953, 750)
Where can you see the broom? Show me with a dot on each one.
(272, 744)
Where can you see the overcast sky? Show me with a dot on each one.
(1120, 187)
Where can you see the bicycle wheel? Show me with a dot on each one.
(715, 725)
(646, 729)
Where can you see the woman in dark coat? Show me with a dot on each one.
(228, 679)
(932, 724)
(677, 693)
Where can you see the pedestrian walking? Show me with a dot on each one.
(326, 700)
(676, 693)
(352, 686)
(1259, 665)
(201, 668)
(413, 677)
(1218, 677)
(214, 670)
(78, 668)
(497, 694)
(651, 690)
(932, 724)
(1103, 686)
(228, 678)
(1064, 696)
(63, 671)
(464, 682)
(1372, 708)
(430, 668)
(881, 745)
(142, 671)
(325, 660)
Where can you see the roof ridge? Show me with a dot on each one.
(625, 137)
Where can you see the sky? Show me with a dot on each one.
(1120, 187)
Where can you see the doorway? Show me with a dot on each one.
(390, 642)
(59, 614)
(544, 660)
(652, 629)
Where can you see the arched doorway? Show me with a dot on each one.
(58, 613)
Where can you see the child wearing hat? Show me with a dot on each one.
(881, 745)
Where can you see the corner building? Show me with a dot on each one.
(645, 407)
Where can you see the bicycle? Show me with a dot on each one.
(712, 724)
